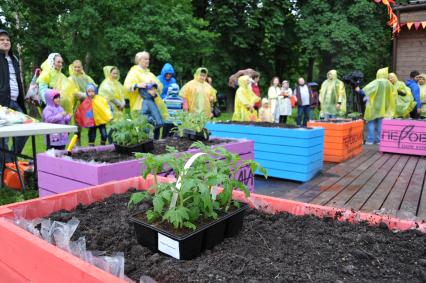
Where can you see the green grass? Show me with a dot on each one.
(10, 196)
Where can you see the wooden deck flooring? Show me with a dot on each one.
(391, 184)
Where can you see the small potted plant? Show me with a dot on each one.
(132, 135)
(182, 219)
(355, 116)
(191, 126)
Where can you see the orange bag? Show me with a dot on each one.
(293, 101)
(11, 178)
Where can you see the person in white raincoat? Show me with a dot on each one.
(284, 103)
(273, 92)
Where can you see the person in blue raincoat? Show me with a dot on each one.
(167, 77)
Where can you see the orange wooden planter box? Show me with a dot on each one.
(27, 258)
(341, 140)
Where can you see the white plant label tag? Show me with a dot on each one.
(214, 192)
(168, 246)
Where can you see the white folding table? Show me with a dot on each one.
(32, 130)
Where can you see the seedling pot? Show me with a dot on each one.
(191, 245)
(196, 136)
(146, 146)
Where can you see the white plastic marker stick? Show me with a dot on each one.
(178, 183)
(214, 192)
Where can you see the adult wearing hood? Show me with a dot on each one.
(51, 77)
(137, 78)
(166, 77)
(422, 86)
(415, 90)
(11, 87)
(113, 91)
(332, 96)
(380, 96)
(54, 113)
(198, 94)
(80, 79)
(245, 99)
(404, 100)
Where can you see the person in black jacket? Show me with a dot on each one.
(11, 87)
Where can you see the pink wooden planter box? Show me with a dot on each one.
(58, 175)
(403, 136)
(27, 258)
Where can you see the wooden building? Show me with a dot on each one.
(409, 47)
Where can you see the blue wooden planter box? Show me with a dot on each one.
(294, 154)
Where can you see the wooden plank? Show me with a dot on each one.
(414, 190)
(376, 200)
(340, 171)
(358, 200)
(394, 199)
(331, 191)
(421, 213)
(352, 188)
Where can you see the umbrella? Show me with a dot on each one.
(233, 80)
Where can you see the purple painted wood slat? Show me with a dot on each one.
(403, 136)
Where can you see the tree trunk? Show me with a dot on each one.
(87, 60)
(310, 70)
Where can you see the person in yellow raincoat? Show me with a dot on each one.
(51, 77)
(80, 80)
(198, 94)
(380, 97)
(244, 101)
(113, 91)
(422, 86)
(137, 78)
(332, 96)
(404, 100)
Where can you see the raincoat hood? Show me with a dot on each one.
(73, 73)
(244, 81)
(107, 72)
(333, 74)
(393, 75)
(382, 73)
(91, 86)
(49, 95)
(198, 72)
(49, 63)
(167, 69)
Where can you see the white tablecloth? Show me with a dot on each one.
(33, 129)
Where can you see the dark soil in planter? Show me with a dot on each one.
(270, 248)
(111, 156)
(335, 121)
(263, 124)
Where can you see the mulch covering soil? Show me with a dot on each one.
(270, 248)
(111, 156)
(262, 124)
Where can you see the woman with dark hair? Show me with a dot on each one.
(255, 88)
(273, 93)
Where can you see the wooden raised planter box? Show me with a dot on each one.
(27, 258)
(287, 153)
(403, 136)
(342, 140)
(58, 174)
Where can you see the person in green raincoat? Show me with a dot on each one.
(380, 97)
(51, 77)
(422, 86)
(404, 100)
(332, 96)
(113, 91)
(245, 100)
(199, 94)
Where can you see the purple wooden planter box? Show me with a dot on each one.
(60, 174)
(403, 136)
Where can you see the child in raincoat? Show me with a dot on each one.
(380, 97)
(149, 108)
(95, 107)
(404, 100)
(265, 114)
(167, 78)
(332, 96)
(55, 114)
(422, 86)
(198, 94)
(244, 101)
(113, 91)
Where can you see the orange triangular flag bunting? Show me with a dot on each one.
(409, 25)
(424, 24)
(417, 25)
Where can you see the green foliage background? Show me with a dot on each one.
(288, 38)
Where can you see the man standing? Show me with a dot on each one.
(415, 90)
(304, 100)
(11, 87)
